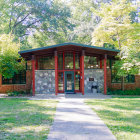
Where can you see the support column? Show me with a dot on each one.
(36, 68)
(100, 63)
(56, 72)
(105, 74)
(82, 68)
(33, 75)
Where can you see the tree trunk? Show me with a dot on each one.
(122, 83)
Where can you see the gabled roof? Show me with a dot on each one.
(66, 44)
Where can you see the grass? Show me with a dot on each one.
(121, 115)
(23, 119)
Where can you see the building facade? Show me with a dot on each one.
(68, 68)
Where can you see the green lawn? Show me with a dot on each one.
(23, 119)
(121, 115)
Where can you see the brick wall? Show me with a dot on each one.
(127, 86)
(17, 87)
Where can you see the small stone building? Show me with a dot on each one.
(68, 68)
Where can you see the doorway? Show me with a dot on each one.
(69, 81)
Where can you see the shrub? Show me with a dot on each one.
(125, 92)
(16, 93)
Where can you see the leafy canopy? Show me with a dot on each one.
(9, 57)
(117, 28)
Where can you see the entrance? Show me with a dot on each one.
(69, 81)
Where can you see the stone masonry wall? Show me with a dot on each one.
(44, 81)
(98, 75)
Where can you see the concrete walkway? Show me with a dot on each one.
(70, 96)
(74, 120)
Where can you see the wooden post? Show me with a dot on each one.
(36, 68)
(82, 68)
(56, 72)
(100, 63)
(105, 74)
(33, 75)
(101, 66)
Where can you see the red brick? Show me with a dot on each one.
(17, 87)
(127, 86)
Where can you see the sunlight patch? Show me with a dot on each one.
(29, 128)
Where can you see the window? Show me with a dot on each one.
(68, 60)
(60, 81)
(117, 79)
(46, 62)
(129, 79)
(19, 78)
(77, 61)
(60, 61)
(91, 62)
(77, 80)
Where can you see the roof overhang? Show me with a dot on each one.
(69, 46)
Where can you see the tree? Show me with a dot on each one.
(10, 61)
(117, 28)
(26, 17)
(84, 20)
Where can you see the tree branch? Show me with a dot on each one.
(21, 20)
(28, 26)
(11, 18)
(18, 17)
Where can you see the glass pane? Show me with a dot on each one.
(60, 61)
(77, 80)
(91, 62)
(6, 81)
(23, 78)
(68, 60)
(46, 63)
(131, 78)
(69, 81)
(19, 78)
(60, 81)
(16, 79)
(77, 61)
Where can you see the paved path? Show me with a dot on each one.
(76, 121)
(70, 96)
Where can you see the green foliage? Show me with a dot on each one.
(16, 93)
(9, 57)
(24, 18)
(84, 19)
(115, 24)
(118, 28)
(125, 92)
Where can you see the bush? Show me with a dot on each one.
(125, 92)
(16, 93)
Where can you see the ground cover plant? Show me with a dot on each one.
(22, 119)
(121, 115)
(124, 92)
(18, 93)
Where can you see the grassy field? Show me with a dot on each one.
(121, 115)
(23, 119)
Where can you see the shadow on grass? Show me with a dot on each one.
(21, 118)
(120, 114)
